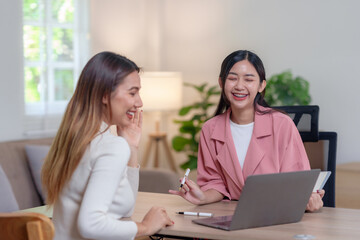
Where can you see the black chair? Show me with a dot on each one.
(306, 119)
(331, 138)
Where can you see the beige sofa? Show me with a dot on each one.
(14, 162)
(16, 165)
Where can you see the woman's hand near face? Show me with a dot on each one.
(155, 219)
(192, 193)
(132, 134)
(315, 201)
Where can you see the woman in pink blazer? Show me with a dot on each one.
(245, 137)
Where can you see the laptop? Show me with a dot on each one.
(268, 199)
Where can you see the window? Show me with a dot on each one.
(51, 34)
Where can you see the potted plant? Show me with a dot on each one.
(198, 113)
(285, 90)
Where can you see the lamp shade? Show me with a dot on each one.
(161, 91)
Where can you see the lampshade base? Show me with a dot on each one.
(154, 142)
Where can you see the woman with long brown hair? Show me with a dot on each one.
(91, 176)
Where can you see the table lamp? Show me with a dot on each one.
(160, 91)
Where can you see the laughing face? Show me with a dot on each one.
(241, 86)
(125, 100)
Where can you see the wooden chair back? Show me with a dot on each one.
(26, 226)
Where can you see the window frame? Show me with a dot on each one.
(47, 104)
(42, 119)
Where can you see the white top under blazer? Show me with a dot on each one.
(241, 134)
(102, 190)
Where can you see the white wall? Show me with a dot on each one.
(318, 40)
(11, 69)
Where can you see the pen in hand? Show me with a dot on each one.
(183, 180)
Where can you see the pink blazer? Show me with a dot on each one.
(275, 146)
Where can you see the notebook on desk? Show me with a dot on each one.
(268, 199)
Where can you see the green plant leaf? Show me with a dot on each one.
(185, 110)
(200, 88)
(190, 163)
(188, 129)
(197, 117)
(284, 89)
(179, 143)
(194, 145)
(205, 106)
(213, 91)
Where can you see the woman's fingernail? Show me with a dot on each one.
(318, 191)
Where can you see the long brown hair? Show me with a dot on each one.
(82, 118)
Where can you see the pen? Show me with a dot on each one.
(185, 176)
(200, 214)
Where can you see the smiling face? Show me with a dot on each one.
(241, 86)
(125, 100)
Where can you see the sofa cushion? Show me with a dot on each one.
(36, 155)
(8, 202)
(15, 164)
(158, 180)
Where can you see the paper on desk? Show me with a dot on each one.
(322, 178)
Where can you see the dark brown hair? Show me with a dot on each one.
(226, 66)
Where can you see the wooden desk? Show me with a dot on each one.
(329, 223)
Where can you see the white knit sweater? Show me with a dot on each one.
(102, 190)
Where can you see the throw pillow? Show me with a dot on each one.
(8, 201)
(36, 155)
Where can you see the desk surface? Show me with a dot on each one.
(328, 223)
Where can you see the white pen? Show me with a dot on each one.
(200, 214)
(185, 176)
